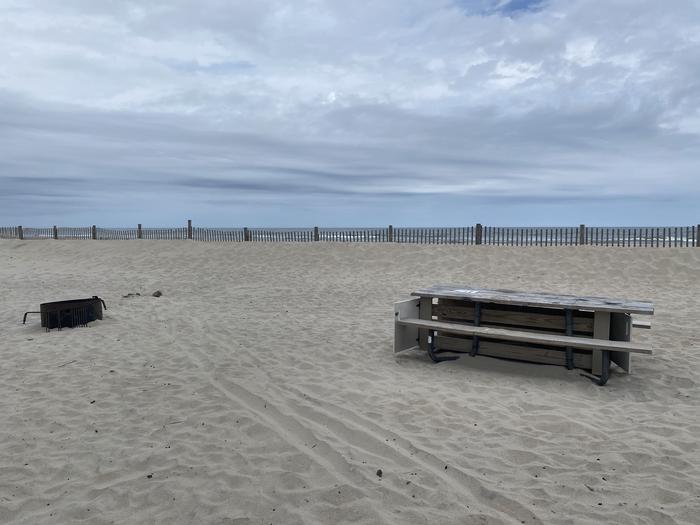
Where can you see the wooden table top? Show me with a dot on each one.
(544, 300)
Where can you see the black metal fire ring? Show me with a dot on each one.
(69, 314)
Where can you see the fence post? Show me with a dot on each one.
(55, 232)
(316, 237)
(697, 236)
(390, 234)
(139, 233)
(20, 233)
(478, 231)
(189, 228)
(582, 234)
(246, 234)
(94, 232)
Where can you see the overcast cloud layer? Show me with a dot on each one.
(330, 112)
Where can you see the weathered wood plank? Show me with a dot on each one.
(426, 313)
(513, 351)
(539, 318)
(603, 304)
(528, 337)
(620, 330)
(405, 336)
(638, 323)
(601, 330)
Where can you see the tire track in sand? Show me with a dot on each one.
(300, 437)
(359, 434)
(402, 452)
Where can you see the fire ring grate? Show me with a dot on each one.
(69, 314)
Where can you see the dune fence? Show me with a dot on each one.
(582, 235)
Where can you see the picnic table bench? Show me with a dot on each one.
(578, 332)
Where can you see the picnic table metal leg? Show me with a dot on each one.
(432, 349)
(605, 374)
(602, 379)
(477, 322)
(569, 331)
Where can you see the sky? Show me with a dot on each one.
(336, 113)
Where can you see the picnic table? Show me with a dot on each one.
(588, 333)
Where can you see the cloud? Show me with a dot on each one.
(176, 104)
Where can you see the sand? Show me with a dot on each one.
(262, 388)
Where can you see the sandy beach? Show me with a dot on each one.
(261, 388)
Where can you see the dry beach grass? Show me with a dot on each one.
(261, 388)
